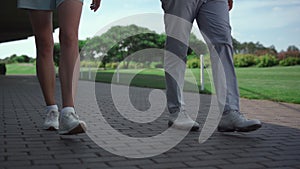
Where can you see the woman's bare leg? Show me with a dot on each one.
(41, 22)
(69, 17)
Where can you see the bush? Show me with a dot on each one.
(102, 65)
(244, 60)
(266, 61)
(20, 59)
(131, 65)
(89, 63)
(193, 63)
(140, 65)
(108, 65)
(290, 61)
(32, 60)
(159, 65)
(287, 54)
(207, 61)
(112, 65)
(2, 69)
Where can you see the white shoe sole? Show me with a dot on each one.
(242, 129)
(51, 128)
(79, 128)
(193, 128)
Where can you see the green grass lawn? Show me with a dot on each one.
(20, 69)
(275, 83)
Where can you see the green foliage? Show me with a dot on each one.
(252, 48)
(193, 63)
(81, 44)
(158, 65)
(56, 54)
(244, 60)
(89, 64)
(11, 59)
(22, 59)
(108, 65)
(131, 45)
(266, 61)
(32, 60)
(290, 61)
(119, 42)
(112, 65)
(18, 59)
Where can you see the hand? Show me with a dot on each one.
(230, 4)
(95, 5)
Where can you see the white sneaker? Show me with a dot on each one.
(69, 123)
(235, 121)
(182, 121)
(51, 120)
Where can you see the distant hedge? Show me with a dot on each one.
(266, 61)
(290, 61)
(244, 60)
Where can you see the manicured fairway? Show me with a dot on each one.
(20, 69)
(274, 83)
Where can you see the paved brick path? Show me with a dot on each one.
(23, 144)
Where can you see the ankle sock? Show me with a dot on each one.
(67, 109)
(51, 107)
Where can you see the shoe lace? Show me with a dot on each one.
(51, 115)
(73, 114)
(240, 116)
(184, 113)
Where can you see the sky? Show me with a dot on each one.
(270, 22)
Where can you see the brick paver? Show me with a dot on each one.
(23, 144)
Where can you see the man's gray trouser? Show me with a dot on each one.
(212, 17)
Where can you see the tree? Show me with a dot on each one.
(12, 59)
(292, 51)
(119, 42)
(252, 48)
(56, 53)
(23, 59)
(292, 48)
(237, 46)
(143, 39)
(105, 48)
(81, 44)
(133, 44)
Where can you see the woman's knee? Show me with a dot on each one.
(44, 46)
(68, 38)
